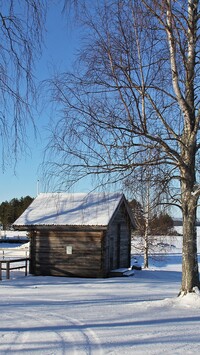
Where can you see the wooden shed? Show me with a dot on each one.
(79, 234)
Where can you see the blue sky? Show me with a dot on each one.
(61, 41)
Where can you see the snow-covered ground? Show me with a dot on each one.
(12, 234)
(13, 250)
(124, 315)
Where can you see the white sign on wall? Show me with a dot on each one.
(69, 249)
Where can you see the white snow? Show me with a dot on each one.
(123, 315)
(70, 209)
(12, 234)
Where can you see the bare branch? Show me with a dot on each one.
(20, 37)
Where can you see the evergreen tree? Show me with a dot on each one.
(10, 211)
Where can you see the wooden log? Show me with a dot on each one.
(7, 269)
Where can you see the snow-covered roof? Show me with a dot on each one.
(74, 209)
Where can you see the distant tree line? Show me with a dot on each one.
(10, 211)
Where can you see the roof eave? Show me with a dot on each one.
(58, 227)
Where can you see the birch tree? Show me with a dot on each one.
(136, 90)
(144, 217)
(146, 188)
(151, 192)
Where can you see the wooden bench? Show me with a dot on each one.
(8, 266)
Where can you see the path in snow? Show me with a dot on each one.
(72, 316)
(138, 315)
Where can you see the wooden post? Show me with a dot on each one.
(7, 269)
(26, 262)
(0, 271)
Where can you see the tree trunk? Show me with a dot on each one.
(146, 250)
(190, 273)
(147, 217)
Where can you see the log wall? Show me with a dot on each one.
(62, 253)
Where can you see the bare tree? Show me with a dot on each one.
(149, 205)
(152, 227)
(148, 188)
(21, 28)
(136, 90)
